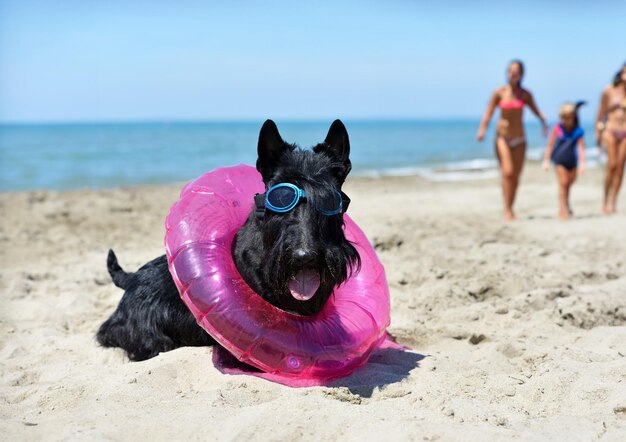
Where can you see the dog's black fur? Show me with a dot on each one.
(268, 251)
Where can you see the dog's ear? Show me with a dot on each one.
(337, 145)
(271, 148)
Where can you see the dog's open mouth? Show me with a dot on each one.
(304, 284)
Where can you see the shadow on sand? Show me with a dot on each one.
(386, 366)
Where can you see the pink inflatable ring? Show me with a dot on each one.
(199, 234)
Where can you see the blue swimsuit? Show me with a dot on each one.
(564, 152)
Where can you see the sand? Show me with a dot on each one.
(518, 330)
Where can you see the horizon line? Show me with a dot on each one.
(239, 120)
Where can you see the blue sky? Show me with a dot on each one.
(155, 60)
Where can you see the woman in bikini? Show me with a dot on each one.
(510, 139)
(611, 131)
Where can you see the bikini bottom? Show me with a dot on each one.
(514, 141)
(619, 135)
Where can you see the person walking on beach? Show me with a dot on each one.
(611, 131)
(566, 149)
(510, 141)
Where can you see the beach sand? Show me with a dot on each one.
(517, 330)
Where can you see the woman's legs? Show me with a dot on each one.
(505, 157)
(519, 155)
(618, 173)
(511, 164)
(611, 168)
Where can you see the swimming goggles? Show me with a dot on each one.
(284, 197)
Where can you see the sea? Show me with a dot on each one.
(104, 155)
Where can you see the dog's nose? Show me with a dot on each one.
(303, 257)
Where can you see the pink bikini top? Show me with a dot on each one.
(511, 104)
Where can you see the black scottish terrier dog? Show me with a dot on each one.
(291, 251)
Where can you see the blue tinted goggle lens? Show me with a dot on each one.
(330, 204)
(283, 197)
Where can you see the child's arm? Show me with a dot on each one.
(581, 155)
(549, 147)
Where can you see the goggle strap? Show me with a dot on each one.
(345, 202)
(259, 205)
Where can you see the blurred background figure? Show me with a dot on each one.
(510, 135)
(566, 149)
(611, 132)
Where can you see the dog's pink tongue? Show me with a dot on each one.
(304, 285)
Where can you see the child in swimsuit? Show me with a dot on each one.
(566, 149)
